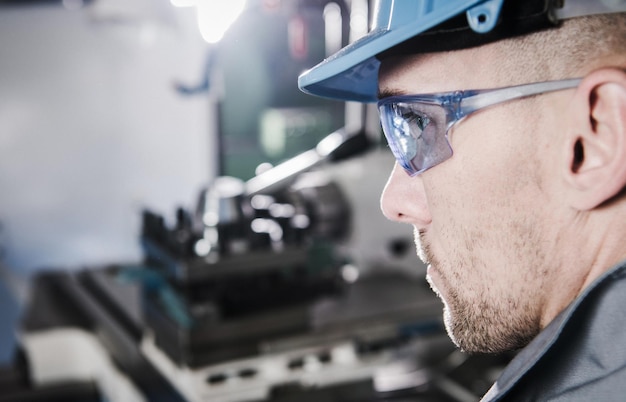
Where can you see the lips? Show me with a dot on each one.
(422, 246)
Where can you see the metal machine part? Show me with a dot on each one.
(249, 262)
(279, 210)
(382, 340)
(335, 146)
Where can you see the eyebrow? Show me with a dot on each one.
(387, 92)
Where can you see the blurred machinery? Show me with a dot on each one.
(270, 289)
(253, 253)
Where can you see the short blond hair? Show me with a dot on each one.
(577, 47)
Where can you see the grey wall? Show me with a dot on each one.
(91, 129)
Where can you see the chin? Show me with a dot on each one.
(473, 333)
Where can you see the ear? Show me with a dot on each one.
(596, 139)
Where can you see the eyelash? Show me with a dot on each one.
(421, 120)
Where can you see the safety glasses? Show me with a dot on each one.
(417, 126)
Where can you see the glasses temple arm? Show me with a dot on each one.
(485, 98)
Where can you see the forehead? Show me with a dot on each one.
(440, 72)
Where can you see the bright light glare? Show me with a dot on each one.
(332, 25)
(214, 16)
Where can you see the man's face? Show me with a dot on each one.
(481, 218)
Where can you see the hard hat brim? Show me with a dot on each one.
(352, 73)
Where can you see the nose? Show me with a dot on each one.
(404, 199)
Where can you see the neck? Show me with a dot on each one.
(591, 245)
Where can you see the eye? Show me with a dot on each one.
(417, 120)
(408, 129)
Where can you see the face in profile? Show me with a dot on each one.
(480, 216)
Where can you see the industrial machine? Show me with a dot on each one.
(284, 286)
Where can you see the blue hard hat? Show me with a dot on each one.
(419, 26)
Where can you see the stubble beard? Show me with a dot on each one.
(488, 322)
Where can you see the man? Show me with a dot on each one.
(516, 193)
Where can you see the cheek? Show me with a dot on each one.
(495, 154)
(489, 182)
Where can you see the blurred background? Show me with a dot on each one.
(179, 222)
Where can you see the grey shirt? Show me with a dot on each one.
(579, 356)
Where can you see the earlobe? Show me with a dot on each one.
(596, 139)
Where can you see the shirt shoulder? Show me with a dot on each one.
(581, 355)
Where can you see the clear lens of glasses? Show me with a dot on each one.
(416, 133)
